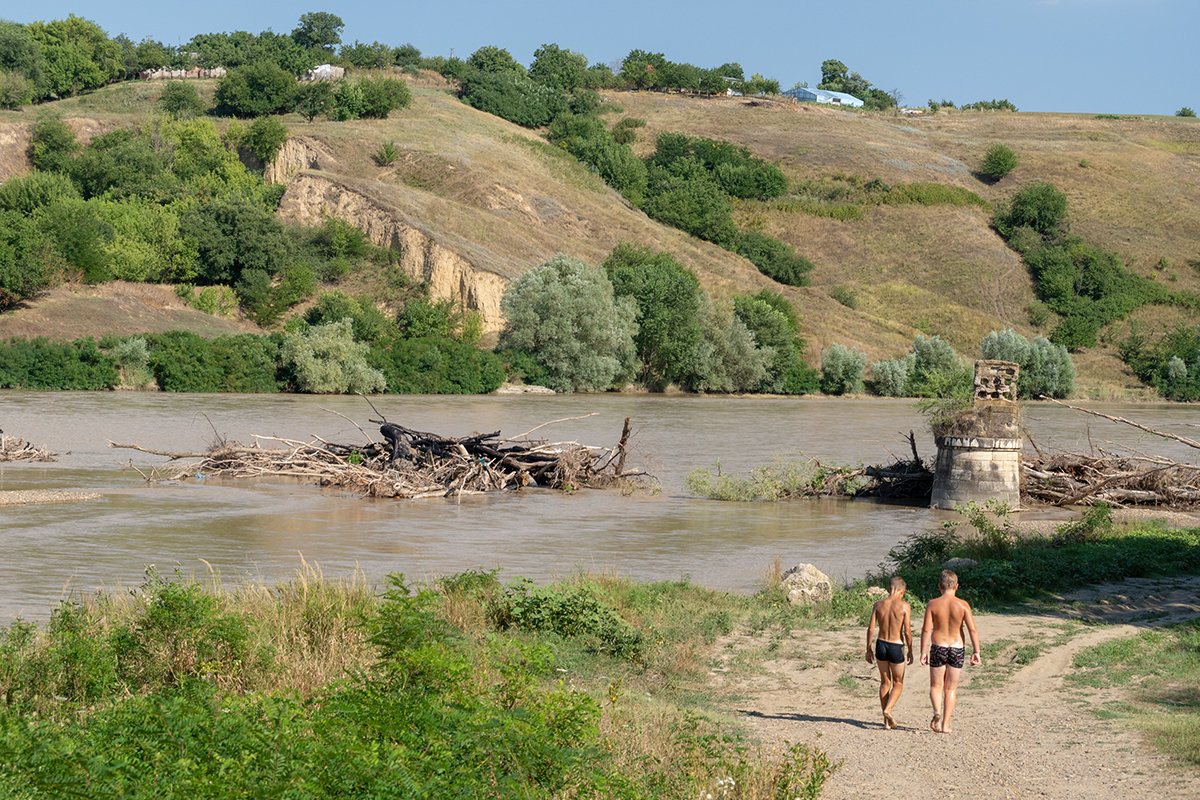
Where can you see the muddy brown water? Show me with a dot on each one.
(260, 530)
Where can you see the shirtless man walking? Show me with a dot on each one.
(894, 618)
(942, 648)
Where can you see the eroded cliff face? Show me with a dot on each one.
(297, 154)
(309, 198)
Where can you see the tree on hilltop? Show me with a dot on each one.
(319, 29)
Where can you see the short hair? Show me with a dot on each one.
(898, 583)
(948, 580)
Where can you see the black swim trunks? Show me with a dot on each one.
(941, 656)
(889, 651)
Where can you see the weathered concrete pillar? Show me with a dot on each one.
(979, 452)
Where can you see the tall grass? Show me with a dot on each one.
(589, 687)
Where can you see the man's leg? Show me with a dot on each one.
(936, 694)
(885, 688)
(897, 677)
(952, 675)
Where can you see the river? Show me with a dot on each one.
(260, 531)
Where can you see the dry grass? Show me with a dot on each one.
(506, 200)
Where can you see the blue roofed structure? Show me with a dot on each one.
(823, 96)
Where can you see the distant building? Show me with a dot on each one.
(325, 72)
(823, 96)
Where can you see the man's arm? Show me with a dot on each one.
(969, 619)
(926, 629)
(908, 631)
(871, 632)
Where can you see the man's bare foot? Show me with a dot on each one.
(946, 730)
(935, 724)
(889, 722)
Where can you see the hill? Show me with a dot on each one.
(474, 201)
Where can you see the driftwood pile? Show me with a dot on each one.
(13, 448)
(1066, 479)
(411, 464)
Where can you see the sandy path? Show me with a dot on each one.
(1017, 732)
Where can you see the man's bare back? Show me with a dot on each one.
(893, 617)
(942, 648)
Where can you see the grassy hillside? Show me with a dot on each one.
(504, 200)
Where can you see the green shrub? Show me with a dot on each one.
(1045, 368)
(264, 137)
(28, 193)
(844, 295)
(842, 370)
(586, 138)
(28, 261)
(15, 90)
(52, 146)
(1185, 112)
(513, 96)
(775, 259)
(998, 162)
(368, 323)
(382, 95)
(326, 360)
(570, 612)
(39, 363)
(1038, 205)
(625, 131)
(179, 99)
(436, 365)
(387, 154)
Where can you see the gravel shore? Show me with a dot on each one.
(31, 497)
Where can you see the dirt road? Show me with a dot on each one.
(1018, 732)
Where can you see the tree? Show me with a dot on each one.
(842, 370)
(998, 162)
(668, 301)
(256, 90)
(319, 29)
(78, 56)
(728, 359)
(233, 235)
(313, 99)
(368, 56)
(557, 68)
(495, 59)
(1045, 368)
(564, 314)
(773, 321)
(21, 55)
(643, 70)
(1185, 112)
(180, 100)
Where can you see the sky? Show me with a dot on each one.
(1089, 56)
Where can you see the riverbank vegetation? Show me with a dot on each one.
(589, 687)
(1158, 671)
